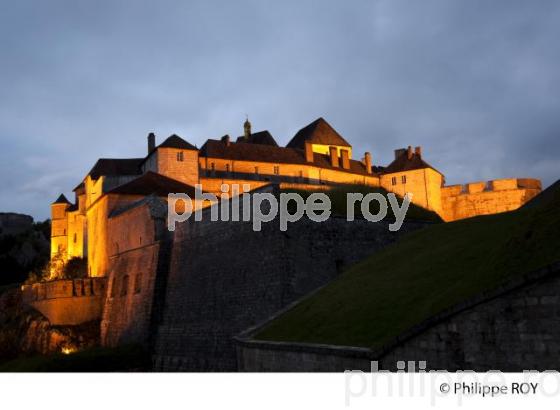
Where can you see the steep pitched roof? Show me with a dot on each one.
(402, 163)
(267, 153)
(174, 141)
(318, 132)
(116, 166)
(153, 183)
(62, 200)
(261, 137)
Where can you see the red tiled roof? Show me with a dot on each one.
(62, 200)
(267, 153)
(318, 132)
(174, 141)
(261, 137)
(116, 166)
(153, 183)
(402, 163)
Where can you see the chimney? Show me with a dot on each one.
(399, 152)
(308, 152)
(345, 158)
(334, 156)
(367, 162)
(151, 142)
(418, 152)
(409, 152)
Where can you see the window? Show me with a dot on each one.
(257, 170)
(227, 167)
(276, 170)
(180, 157)
(124, 286)
(75, 237)
(213, 168)
(138, 283)
(403, 179)
(394, 180)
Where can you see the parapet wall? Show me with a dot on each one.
(487, 197)
(67, 302)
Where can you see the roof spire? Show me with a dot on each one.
(247, 127)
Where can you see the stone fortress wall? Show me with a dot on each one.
(485, 198)
(67, 302)
(213, 293)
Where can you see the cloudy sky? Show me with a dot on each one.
(476, 83)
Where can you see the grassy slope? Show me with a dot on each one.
(427, 271)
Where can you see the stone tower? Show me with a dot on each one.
(59, 226)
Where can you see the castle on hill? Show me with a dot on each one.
(186, 294)
(316, 156)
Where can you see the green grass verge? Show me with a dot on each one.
(426, 272)
(119, 359)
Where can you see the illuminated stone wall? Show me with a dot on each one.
(485, 198)
(138, 261)
(67, 302)
(424, 184)
(268, 171)
(185, 170)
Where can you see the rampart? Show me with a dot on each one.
(224, 277)
(484, 198)
(67, 302)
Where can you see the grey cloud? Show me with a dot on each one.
(474, 82)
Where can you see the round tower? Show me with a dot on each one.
(59, 226)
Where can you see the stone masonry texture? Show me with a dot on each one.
(224, 278)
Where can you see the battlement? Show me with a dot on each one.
(491, 186)
(484, 198)
(67, 301)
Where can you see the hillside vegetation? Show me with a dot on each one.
(426, 272)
